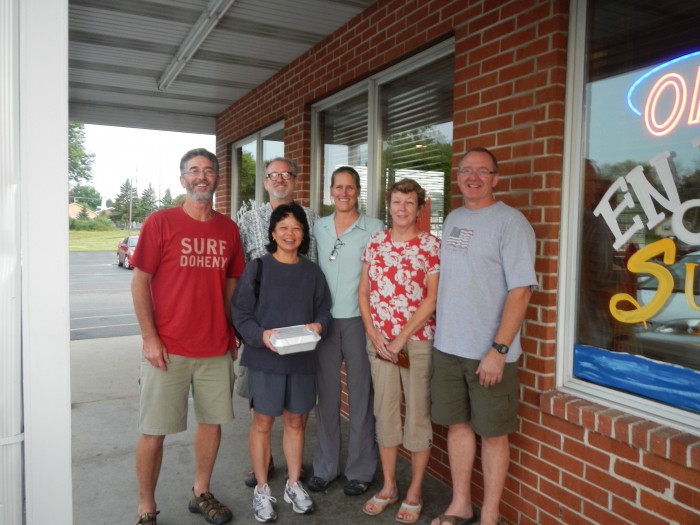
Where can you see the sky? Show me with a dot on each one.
(142, 155)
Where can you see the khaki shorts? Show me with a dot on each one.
(388, 380)
(165, 394)
(457, 396)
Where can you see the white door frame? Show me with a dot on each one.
(34, 264)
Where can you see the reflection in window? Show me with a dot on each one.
(636, 291)
(417, 136)
(246, 160)
(410, 112)
(250, 156)
(343, 129)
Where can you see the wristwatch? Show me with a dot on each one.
(500, 348)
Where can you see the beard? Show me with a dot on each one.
(281, 192)
(199, 196)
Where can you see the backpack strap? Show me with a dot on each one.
(258, 278)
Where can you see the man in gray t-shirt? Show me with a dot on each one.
(487, 276)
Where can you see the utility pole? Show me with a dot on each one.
(131, 199)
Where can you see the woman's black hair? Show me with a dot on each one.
(280, 213)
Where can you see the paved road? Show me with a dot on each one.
(100, 297)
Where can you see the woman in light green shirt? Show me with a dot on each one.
(340, 241)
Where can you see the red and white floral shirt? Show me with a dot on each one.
(398, 276)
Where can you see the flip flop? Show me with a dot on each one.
(411, 510)
(378, 504)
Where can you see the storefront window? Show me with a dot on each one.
(246, 157)
(417, 136)
(343, 128)
(249, 158)
(639, 289)
(394, 125)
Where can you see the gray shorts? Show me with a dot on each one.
(165, 394)
(271, 394)
(457, 396)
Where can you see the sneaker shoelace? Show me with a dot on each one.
(264, 497)
(298, 493)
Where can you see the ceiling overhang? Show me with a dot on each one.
(175, 64)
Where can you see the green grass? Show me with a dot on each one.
(86, 241)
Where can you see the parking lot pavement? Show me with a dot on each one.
(104, 386)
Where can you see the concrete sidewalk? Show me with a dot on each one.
(104, 387)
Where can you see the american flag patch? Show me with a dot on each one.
(459, 238)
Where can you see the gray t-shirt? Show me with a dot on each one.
(485, 253)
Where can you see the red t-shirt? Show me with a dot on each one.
(189, 261)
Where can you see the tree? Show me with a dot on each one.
(167, 201)
(620, 169)
(85, 195)
(428, 153)
(79, 160)
(128, 195)
(147, 204)
(83, 215)
(248, 176)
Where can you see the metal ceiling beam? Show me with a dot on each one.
(194, 39)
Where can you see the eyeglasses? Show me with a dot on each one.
(479, 171)
(336, 247)
(196, 172)
(286, 175)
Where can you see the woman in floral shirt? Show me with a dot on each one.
(398, 292)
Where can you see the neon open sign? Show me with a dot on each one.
(668, 100)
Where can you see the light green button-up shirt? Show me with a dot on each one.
(343, 273)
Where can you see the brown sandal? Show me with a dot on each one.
(210, 508)
(148, 518)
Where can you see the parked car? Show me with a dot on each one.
(125, 251)
(673, 334)
(683, 249)
(677, 305)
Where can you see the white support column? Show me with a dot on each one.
(11, 435)
(43, 167)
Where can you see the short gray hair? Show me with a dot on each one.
(289, 161)
(488, 152)
(199, 152)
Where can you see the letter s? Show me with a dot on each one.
(639, 263)
(186, 245)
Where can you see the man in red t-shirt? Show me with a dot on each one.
(186, 267)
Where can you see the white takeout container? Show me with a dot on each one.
(292, 339)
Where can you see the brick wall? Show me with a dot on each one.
(572, 461)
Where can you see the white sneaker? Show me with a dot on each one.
(299, 498)
(262, 504)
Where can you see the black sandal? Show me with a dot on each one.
(250, 480)
(355, 487)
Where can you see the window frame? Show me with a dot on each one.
(575, 126)
(371, 86)
(259, 138)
